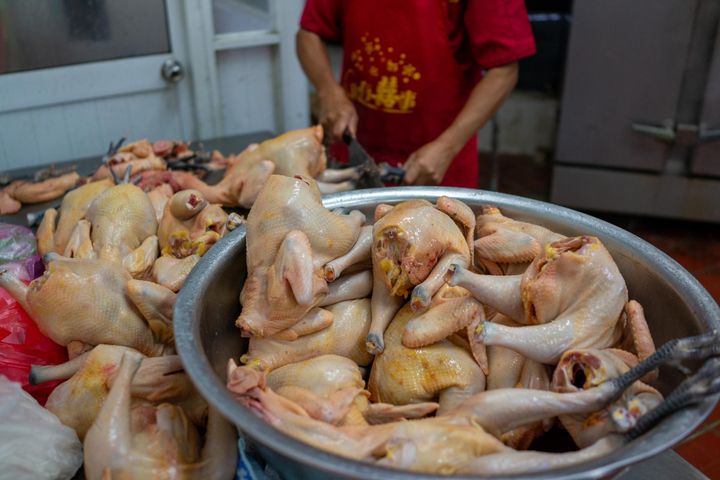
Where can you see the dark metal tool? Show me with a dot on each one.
(373, 175)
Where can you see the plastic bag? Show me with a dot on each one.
(23, 345)
(33, 442)
(18, 251)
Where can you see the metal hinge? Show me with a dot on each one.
(681, 134)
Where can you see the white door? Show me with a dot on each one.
(77, 74)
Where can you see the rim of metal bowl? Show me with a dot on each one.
(197, 365)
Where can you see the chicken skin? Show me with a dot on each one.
(154, 442)
(290, 237)
(571, 296)
(89, 301)
(77, 401)
(122, 218)
(414, 243)
(442, 372)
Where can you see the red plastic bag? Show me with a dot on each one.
(22, 345)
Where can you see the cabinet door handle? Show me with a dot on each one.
(658, 132)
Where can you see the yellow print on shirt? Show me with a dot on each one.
(391, 78)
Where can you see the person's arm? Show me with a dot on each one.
(337, 112)
(427, 165)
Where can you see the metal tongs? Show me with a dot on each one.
(701, 385)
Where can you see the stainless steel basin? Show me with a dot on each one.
(675, 304)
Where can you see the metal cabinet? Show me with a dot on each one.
(641, 103)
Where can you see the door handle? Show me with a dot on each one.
(663, 133)
(172, 70)
(682, 134)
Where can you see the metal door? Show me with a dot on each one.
(76, 74)
(706, 157)
(625, 66)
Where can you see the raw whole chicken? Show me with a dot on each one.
(56, 227)
(442, 372)
(571, 296)
(345, 337)
(298, 152)
(583, 369)
(414, 244)
(77, 401)
(451, 443)
(94, 302)
(331, 388)
(290, 237)
(157, 442)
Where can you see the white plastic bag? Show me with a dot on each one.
(33, 442)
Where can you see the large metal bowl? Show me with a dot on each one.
(675, 303)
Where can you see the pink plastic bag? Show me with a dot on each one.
(23, 345)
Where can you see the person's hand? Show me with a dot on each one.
(337, 113)
(428, 164)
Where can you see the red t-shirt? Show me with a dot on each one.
(410, 65)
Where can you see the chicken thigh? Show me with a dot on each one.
(345, 337)
(290, 237)
(502, 240)
(571, 296)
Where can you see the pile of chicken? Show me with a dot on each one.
(165, 167)
(114, 262)
(431, 339)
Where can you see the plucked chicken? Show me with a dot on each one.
(298, 152)
(290, 237)
(414, 244)
(452, 443)
(571, 296)
(442, 372)
(582, 369)
(95, 302)
(154, 442)
(77, 401)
